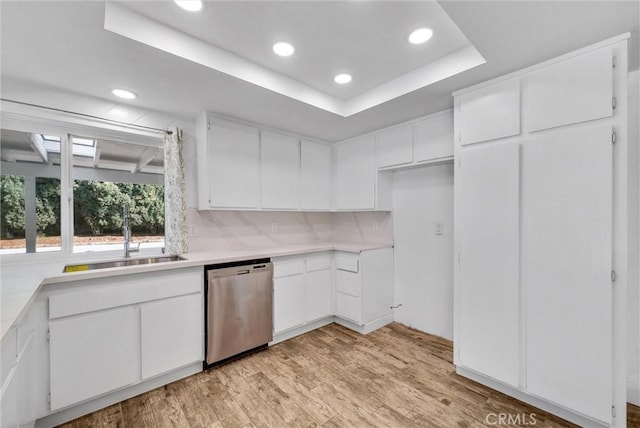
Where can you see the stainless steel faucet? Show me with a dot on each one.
(126, 231)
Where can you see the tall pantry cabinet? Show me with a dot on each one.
(541, 246)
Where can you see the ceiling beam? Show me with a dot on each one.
(96, 154)
(147, 156)
(37, 143)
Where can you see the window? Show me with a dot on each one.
(114, 175)
(30, 194)
(105, 175)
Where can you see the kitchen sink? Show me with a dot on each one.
(121, 263)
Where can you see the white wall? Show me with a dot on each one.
(423, 271)
(633, 296)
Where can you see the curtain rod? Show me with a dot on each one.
(129, 125)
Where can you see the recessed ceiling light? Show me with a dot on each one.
(190, 5)
(283, 49)
(123, 93)
(342, 78)
(421, 35)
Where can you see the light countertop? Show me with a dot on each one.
(20, 283)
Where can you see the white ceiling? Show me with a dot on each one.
(59, 54)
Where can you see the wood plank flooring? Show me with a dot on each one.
(330, 377)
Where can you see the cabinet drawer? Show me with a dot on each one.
(346, 261)
(348, 282)
(288, 267)
(104, 294)
(348, 307)
(318, 263)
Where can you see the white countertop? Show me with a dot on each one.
(20, 283)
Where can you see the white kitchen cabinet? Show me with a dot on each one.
(489, 113)
(488, 230)
(303, 290)
(113, 332)
(280, 170)
(171, 334)
(315, 176)
(394, 146)
(541, 275)
(358, 185)
(569, 224)
(289, 302)
(364, 285)
(228, 164)
(319, 294)
(92, 354)
(433, 138)
(571, 91)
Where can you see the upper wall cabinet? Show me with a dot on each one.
(280, 172)
(241, 167)
(428, 141)
(394, 146)
(571, 91)
(315, 176)
(358, 185)
(228, 164)
(433, 138)
(489, 113)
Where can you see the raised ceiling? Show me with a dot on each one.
(58, 54)
(329, 38)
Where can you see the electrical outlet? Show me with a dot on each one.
(376, 226)
(439, 228)
(192, 230)
(274, 227)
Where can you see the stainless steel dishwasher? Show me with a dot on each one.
(239, 309)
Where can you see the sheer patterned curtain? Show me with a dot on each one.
(175, 228)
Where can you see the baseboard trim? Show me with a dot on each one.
(368, 327)
(576, 418)
(87, 407)
(633, 391)
(289, 334)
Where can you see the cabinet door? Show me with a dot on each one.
(348, 282)
(568, 225)
(280, 167)
(171, 334)
(315, 176)
(488, 283)
(355, 174)
(93, 354)
(319, 294)
(394, 146)
(489, 113)
(234, 162)
(289, 302)
(433, 138)
(572, 91)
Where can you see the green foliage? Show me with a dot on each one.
(12, 220)
(97, 206)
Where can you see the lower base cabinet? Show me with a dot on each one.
(110, 333)
(303, 290)
(364, 285)
(355, 286)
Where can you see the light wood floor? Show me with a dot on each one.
(330, 377)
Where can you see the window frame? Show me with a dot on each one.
(66, 126)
